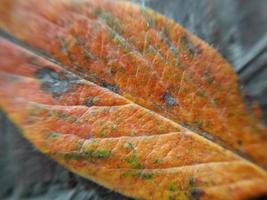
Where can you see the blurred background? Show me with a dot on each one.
(236, 28)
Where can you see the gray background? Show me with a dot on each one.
(236, 28)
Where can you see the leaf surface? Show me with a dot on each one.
(129, 99)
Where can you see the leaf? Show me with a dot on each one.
(127, 98)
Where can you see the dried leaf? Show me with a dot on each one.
(129, 99)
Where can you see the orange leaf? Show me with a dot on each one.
(129, 99)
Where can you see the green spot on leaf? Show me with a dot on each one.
(171, 187)
(157, 161)
(145, 175)
(53, 135)
(201, 93)
(130, 146)
(191, 181)
(127, 173)
(132, 159)
(99, 154)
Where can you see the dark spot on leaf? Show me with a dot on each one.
(113, 69)
(239, 142)
(169, 100)
(111, 87)
(188, 46)
(196, 193)
(52, 81)
(89, 102)
(208, 76)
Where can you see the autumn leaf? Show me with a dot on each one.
(129, 99)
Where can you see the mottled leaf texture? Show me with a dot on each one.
(129, 99)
